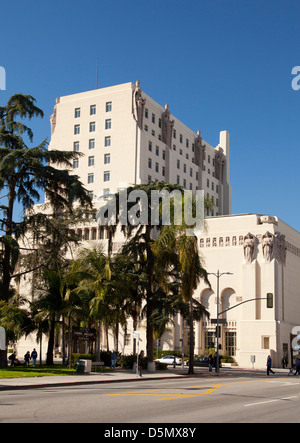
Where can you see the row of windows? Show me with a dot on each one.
(92, 143)
(108, 108)
(92, 126)
(153, 120)
(221, 241)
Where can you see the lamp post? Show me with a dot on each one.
(218, 275)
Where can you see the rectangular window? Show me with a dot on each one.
(91, 160)
(149, 163)
(163, 171)
(184, 168)
(108, 106)
(108, 123)
(266, 342)
(150, 146)
(92, 126)
(76, 146)
(153, 118)
(91, 195)
(146, 113)
(178, 180)
(157, 150)
(106, 176)
(92, 109)
(230, 343)
(77, 113)
(107, 141)
(106, 159)
(178, 164)
(76, 129)
(90, 178)
(156, 167)
(92, 143)
(75, 163)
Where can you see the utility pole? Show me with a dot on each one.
(218, 275)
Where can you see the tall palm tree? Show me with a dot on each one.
(179, 252)
(139, 240)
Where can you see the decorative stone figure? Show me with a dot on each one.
(249, 245)
(280, 248)
(219, 165)
(167, 127)
(53, 117)
(268, 246)
(138, 105)
(199, 151)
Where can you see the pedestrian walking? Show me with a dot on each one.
(34, 357)
(297, 367)
(269, 365)
(13, 359)
(210, 362)
(140, 367)
(27, 358)
(113, 359)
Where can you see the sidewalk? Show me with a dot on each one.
(119, 375)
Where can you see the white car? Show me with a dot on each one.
(169, 360)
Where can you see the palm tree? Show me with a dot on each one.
(177, 253)
(50, 305)
(139, 240)
(191, 273)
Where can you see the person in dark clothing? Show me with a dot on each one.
(27, 358)
(269, 365)
(297, 367)
(13, 359)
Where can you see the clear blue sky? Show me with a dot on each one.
(220, 64)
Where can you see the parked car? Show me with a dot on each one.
(169, 360)
(203, 362)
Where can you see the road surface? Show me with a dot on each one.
(253, 399)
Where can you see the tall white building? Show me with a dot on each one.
(127, 138)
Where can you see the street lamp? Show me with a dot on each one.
(218, 275)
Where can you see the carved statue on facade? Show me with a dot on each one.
(53, 117)
(268, 246)
(219, 165)
(138, 105)
(167, 127)
(199, 151)
(280, 248)
(249, 245)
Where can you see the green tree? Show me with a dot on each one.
(25, 173)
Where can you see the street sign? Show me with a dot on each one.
(222, 321)
(84, 334)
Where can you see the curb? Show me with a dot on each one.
(95, 382)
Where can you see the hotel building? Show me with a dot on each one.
(126, 138)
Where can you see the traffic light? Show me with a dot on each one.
(269, 300)
(218, 332)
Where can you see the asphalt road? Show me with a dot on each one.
(182, 402)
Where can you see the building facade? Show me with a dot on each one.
(126, 138)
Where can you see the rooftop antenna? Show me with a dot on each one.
(97, 72)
